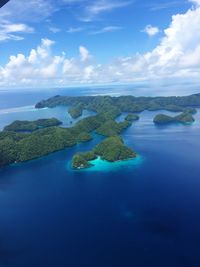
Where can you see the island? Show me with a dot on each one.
(184, 118)
(84, 137)
(132, 117)
(112, 127)
(128, 103)
(111, 149)
(26, 140)
(18, 146)
(30, 126)
(82, 160)
(76, 111)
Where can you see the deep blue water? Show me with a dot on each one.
(142, 215)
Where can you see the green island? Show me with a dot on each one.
(76, 111)
(26, 140)
(17, 146)
(30, 126)
(184, 118)
(111, 149)
(132, 117)
(129, 103)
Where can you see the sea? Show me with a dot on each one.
(137, 213)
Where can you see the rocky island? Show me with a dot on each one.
(129, 103)
(26, 140)
(17, 146)
(30, 126)
(111, 149)
(131, 117)
(184, 117)
(76, 111)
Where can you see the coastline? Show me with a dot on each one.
(106, 166)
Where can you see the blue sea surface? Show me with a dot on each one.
(142, 213)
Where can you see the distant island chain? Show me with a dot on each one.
(22, 141)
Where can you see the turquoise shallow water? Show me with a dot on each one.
(143, 212)
(100, 165)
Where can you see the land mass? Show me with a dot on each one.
(26, 140)
(18, 146)
(76, 111)
(184, 118)
(129, 104)
(30, 126)
(111, 149)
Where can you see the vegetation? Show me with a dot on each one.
(84, 137)
(76, 111)
(114, 149)
(30, 126)
(132, 117)
(81, 160)
(125, 103)
(184, 117)
(111, 127)
(111, 149)
(26, 140)
(190, 110)
(19, 147)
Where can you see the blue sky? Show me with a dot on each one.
(99, 41)
(67, 26)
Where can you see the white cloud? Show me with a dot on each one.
(20, 12)
(23, 13)
(41, 68)
(37, 67)
(100, 6)
(197, 2)
(73, 1)
(9, 31)
(106, 29)
(54, 29)
(175, 58)
(16, 15)
(75, 29)
(84, 53)
(165, 5)
(151, 30)
(27, 11)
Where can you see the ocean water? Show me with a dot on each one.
(143, 212)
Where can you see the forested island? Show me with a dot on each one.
(184, 118)
(111, 149)
(76, 111)
(129, 104)
(18, 146)
(30, 126)
(25, 140)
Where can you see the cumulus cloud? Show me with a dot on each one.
(41, 68)
(177, 56)
(38, 66)
(197, 2)
(151, 30)
(84, 53)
